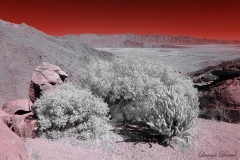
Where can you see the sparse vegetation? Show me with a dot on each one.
(72, 112)
(137, 90)
(218, 113)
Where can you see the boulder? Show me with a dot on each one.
(46, 78)
(19, 106)
(18, 117)
(25, 125)
(12, 146)
(219, 91)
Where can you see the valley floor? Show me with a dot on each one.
(189, 58)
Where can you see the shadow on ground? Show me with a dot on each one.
(139, 132)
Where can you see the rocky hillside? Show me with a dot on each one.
(23, 48)
(141, 41)
(219, 91)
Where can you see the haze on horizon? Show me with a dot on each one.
(200, 19)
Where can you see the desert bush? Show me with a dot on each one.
(71, 112)
(138, 90)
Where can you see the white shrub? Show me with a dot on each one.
(70, 110)
(144, 91)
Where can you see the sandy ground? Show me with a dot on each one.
(209, 140)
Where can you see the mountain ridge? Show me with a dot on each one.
(142, 41)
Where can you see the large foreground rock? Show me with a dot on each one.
(11, 146)
(46, 78)
(219, 91)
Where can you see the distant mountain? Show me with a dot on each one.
(23, 48)
(142, 41)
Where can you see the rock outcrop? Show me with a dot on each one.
(18, 117)
(12, 146)
(219, 91)
(46, 78)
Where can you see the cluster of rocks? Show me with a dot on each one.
(16, 117)
(219, 91)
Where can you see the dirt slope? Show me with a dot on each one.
(23, 48)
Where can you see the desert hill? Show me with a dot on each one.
(23, 48)
(142, 41)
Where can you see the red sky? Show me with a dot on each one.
(215, 19)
